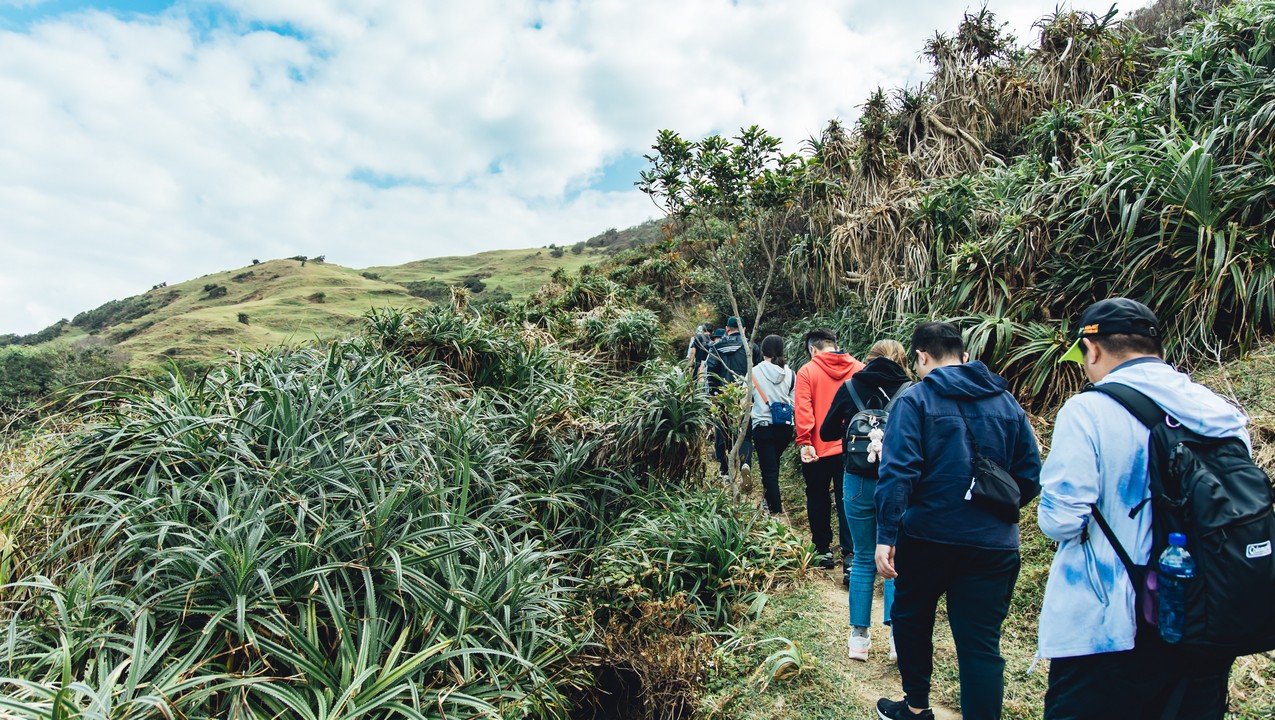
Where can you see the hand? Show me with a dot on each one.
(885, 561)
(808, 454)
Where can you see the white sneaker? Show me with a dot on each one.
(858, 647)
(894, 654)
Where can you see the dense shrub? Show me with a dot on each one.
(389, 527)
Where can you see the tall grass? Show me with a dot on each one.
(396, 526)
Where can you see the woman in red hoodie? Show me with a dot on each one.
(821, 462)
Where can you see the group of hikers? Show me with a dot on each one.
(929, 459)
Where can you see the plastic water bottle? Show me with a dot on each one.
(1176, 569)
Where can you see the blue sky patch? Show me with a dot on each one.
(22, 16)
(620, 174)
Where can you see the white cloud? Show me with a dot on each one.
(139, 149)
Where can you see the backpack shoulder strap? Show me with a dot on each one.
(1111, 538)
(1147, 411)
(854, 395)
(890, 405)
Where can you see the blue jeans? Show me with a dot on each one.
(861, 515)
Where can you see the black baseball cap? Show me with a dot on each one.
(1110, 317)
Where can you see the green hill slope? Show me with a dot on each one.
(284, 301)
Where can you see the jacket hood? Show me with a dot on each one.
(882, 373)
(771, 372)
(1195, 406)
(968, 381)
(836, 365)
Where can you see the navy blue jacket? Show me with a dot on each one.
(927, 465)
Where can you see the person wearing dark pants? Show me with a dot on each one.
(770, 442)
(1139, 684)
(1104, 662)
(821, 461)
(772, 417)
(823, 486)
(978, 584)
(938, 534)
(728, 362)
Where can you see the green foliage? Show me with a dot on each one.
(388, 527)
(117, 312)
(707, 550)
(625, 338)
(32, 374)
(51, 332)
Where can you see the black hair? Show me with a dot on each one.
(1120, 344)
(821, 338)
(941, 340)
(773, 347)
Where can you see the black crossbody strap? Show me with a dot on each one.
(1147, 411)
(1111, 538)
(968, 431)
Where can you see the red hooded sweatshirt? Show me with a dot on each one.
(817, 383)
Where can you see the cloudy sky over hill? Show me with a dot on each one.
(144, 141)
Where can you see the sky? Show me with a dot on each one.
(148, 141)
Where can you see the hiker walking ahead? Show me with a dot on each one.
(817, 383)
(1105, 663)
(947, 519)
(772, 416)
(728, 363)
(697, 348)
(874, 387)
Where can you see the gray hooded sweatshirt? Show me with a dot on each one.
(777, 385)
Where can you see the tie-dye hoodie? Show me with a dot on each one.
(1099, 454)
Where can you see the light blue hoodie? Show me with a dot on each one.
(1099, 455)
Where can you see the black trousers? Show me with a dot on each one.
(819, 502)
(1139, 684)
(978, 584)
(770, 442)
(724, 440)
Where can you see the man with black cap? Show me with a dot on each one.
(1103, 663)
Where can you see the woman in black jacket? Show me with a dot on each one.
(879, 382)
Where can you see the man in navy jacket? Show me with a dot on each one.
(933, 538)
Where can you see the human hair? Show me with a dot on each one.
(940, 340)
(820, 339)
(890, 350)
(772, 348)
(1124, 344)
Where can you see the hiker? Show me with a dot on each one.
(1104, 663)
(874, 387)
(772, 417)
(697, 348)
(728, 363)
(821, 465)
(945, 525)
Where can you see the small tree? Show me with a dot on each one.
(243, 318)
(255, 261)
(744, 188)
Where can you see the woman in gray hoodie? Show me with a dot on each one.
(772, 424)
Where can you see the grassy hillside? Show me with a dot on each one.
(519, 272)
(286, 301)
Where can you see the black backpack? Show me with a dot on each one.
(1210, 490)
(857, 439)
